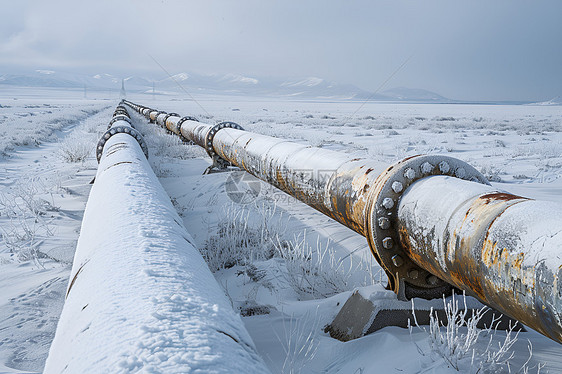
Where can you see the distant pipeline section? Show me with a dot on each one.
(432, 222)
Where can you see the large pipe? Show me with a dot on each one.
(432, 222)
(140, 297)
(501, 248)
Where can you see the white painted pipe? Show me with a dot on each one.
(140, 297)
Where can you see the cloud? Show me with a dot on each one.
(471, 50)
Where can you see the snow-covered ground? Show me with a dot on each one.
(286, 267)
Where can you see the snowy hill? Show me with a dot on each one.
(554, 101)
(232, 84)
(413, 94)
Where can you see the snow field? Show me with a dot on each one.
(42, 198)
(517, 147)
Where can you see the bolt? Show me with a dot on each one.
(432, 279)
(387, 242)
(409, 173)
(426, 168)
(460, 173)
(397, 187)
(384, 223)
(397, 261)
(444, 167)
(413, 274)
(388, 203)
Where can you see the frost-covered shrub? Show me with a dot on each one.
(465, 347)
(76, 148)
(244, 235)
(313, 271)
(247, 236)
(492, 173)
(24, 224)
(299, 342)
(162, 144)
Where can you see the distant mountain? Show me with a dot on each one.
(554, 101)
(49, 78)
(413, 94)
(232, 84)
(37, 80)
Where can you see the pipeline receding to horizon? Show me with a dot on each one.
(434, 223)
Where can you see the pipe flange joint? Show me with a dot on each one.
(406, 278)
(213, 131)
(178, 127)
(168, 116)
(120, 130)
(156, 116)
(121, 111)
(120, 118)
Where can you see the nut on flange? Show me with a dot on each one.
(405, 277)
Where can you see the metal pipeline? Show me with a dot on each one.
(432, 222)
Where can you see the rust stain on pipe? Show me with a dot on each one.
(487, 248)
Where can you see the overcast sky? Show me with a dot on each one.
(472, 50)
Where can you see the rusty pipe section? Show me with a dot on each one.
(501, 248)
(360, 193)
(432, 222)
(188, 128)
(331, 182)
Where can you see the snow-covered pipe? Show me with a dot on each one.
(429, 234)
(140, 297)
(502, 248)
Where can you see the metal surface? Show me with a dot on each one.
(432, 222)
(501, 248)
(407, 278)
(344, 188)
